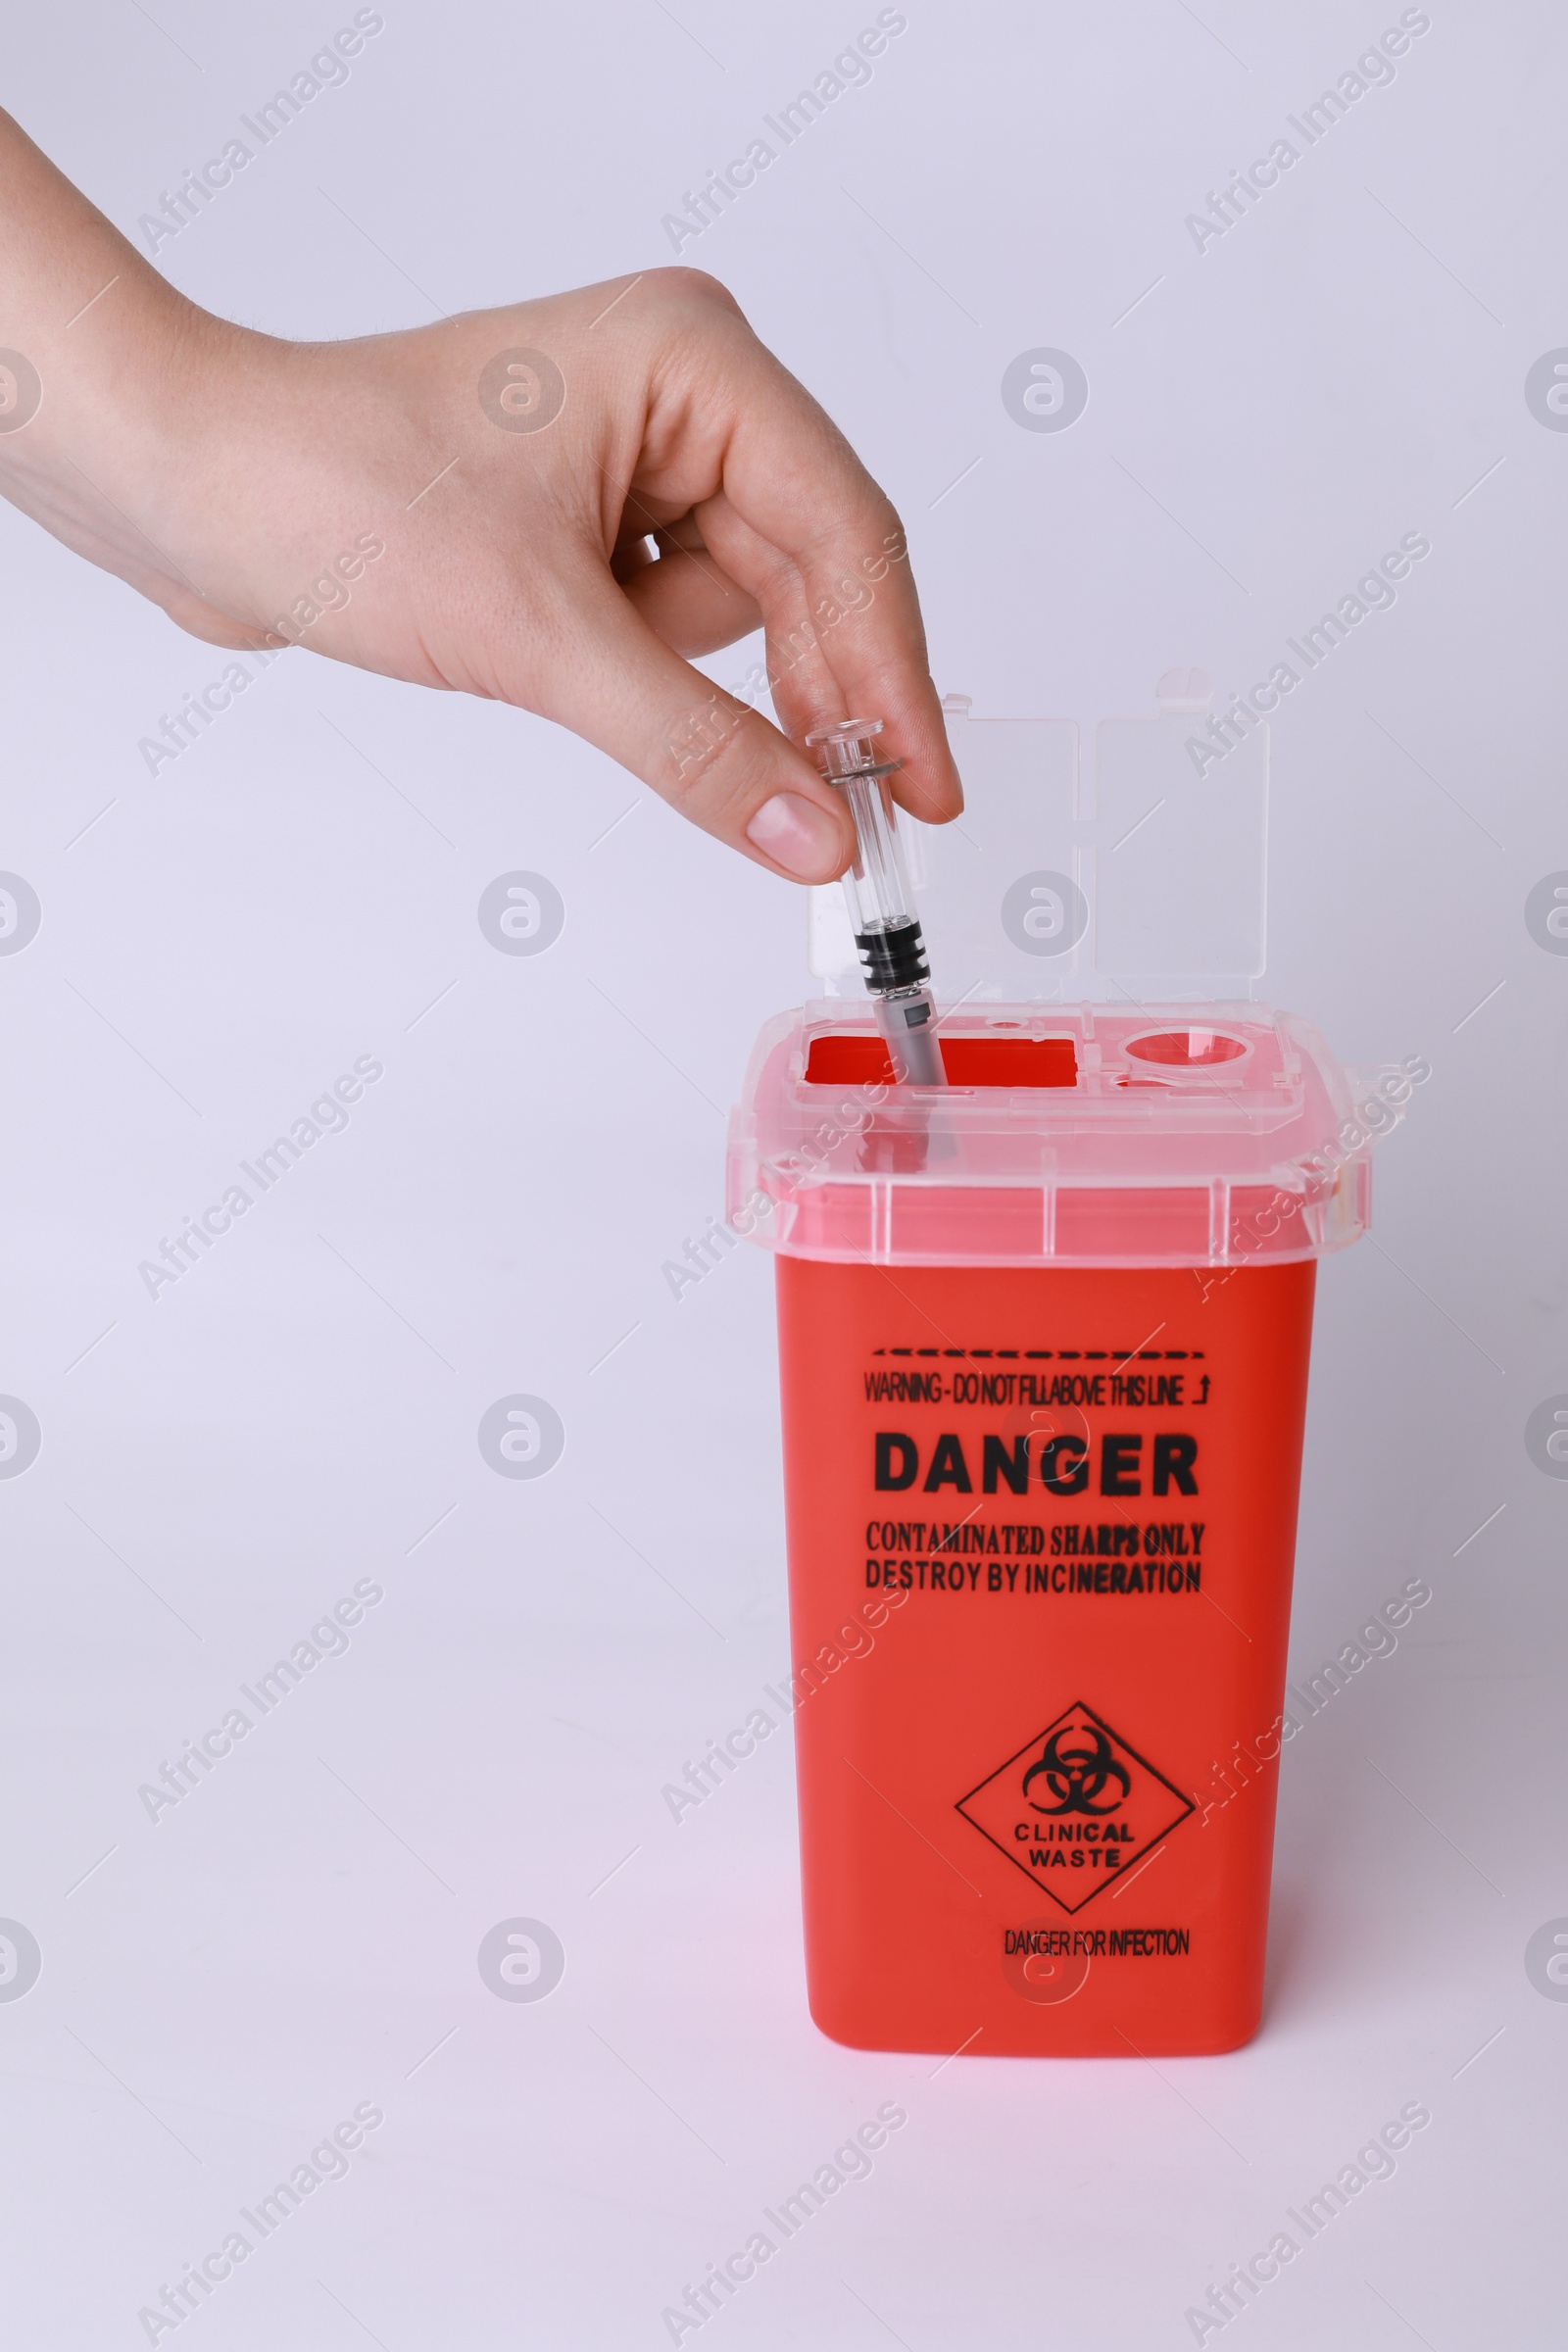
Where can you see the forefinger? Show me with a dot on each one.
(803, 526)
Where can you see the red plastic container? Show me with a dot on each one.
(1043, 1340)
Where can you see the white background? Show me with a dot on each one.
(1343, 366)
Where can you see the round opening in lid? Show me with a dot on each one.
(1187, 1049)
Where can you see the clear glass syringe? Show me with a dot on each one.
(887, 929)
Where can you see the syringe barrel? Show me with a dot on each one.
(881, 903)
(877, 885)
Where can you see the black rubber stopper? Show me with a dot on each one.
(894, 958)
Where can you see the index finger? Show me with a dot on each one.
(801, 525)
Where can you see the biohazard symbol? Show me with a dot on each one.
(1076, 1808)
(1077, 1774)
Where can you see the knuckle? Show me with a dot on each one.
(695, 745)
(695, 287)
(725, 762)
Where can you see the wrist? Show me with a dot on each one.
(126, 389)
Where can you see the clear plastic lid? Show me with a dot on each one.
(1066, 1135)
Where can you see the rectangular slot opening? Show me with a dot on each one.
(968, 1061)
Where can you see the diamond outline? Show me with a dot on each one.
(1077, 1706)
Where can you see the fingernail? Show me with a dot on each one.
(797, 835)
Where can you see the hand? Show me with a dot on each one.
(553, 504)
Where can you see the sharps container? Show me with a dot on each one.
(1044, 1338)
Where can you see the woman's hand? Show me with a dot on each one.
(477, 504)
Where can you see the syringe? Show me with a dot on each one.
(887, 929)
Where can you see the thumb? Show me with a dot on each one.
(723, 765)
